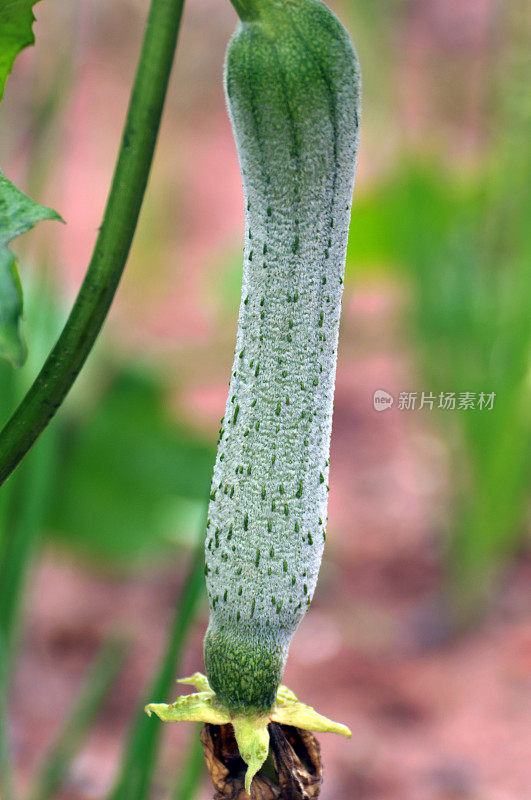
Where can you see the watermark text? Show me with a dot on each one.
(446, 401)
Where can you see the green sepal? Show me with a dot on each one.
(199, 707)
(198, 680)
(250, 730)
(302, 716)
(18, 214)
(252, 738)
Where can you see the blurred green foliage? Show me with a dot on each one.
(128, 481)
(25, 497)
(140, 755)
(130, 474)
(461, 241)
(470, 295)
(97, 682)
(117, 484)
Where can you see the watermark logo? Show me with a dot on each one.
(382, 400)
(447, 401)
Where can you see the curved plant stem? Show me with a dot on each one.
(113, 243)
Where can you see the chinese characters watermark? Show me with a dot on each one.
(447, 401)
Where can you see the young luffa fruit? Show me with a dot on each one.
(292, 86)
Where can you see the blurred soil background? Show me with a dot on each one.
(439, 703)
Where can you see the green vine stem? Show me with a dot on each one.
(113, 243)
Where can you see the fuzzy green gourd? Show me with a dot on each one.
(293, 89)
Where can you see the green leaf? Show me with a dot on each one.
(18, 214)
(16, 21)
